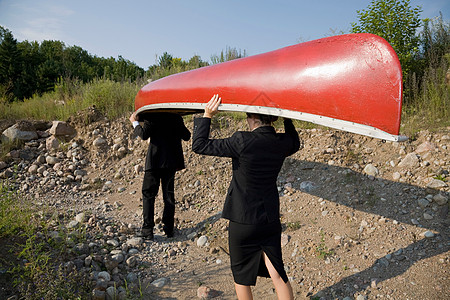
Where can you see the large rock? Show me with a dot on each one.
(425, 147)
(410, 161)
(52, 143)
(14, 133)
(62, 129)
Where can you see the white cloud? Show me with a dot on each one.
(43, 21)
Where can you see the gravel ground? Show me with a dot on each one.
(362, 218)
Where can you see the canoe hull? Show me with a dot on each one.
(350, 82)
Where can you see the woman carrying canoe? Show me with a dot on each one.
(252, 204)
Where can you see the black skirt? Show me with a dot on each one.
(247, 244)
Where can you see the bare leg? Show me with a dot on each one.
(284, 289)
(243, 292)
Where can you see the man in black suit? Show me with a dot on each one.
(164, 158)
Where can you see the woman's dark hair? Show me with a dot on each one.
(265, 119)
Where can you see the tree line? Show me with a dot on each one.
(28, 68)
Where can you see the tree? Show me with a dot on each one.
(435, 40)
(229, 54)
(3, 31)
(396, 22)
(10, 63)
(31, 60)
(165, 60)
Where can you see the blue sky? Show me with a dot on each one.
(141, 30)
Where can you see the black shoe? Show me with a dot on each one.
(146, 234)
(168, 232)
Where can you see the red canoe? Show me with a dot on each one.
(351, 82)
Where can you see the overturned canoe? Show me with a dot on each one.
(350, 82)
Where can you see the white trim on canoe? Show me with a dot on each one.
(316, 119)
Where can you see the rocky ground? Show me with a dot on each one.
(362, 218)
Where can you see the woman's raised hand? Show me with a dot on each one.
(212, 107)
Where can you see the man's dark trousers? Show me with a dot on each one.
(150, 187)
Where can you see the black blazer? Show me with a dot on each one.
(257, 158)
(165, 130)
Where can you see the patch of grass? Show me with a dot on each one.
(6, 146)
(322, 250)
(14, 216)
(427, 101)
(351, 157)
(294, 225)
(36, 266)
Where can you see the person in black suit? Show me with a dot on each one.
(164, 158)
(252, 204)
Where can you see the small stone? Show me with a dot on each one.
(98, 294)
(440, 199)
(423, 203)
(428, 234)
(73, 224)
(374, 282)
(138, 169)
(135, 242)
(371, 170)
(425, 147)
(205, 292)
(307, 186)
(396, 176)
(159, 283)
(427, 216)
(99, 142)
(111, 292)
(51, 160)
(118, 257)
(131, 261)
(285, 239)
(436, 184)
(32, 169)
(88, 261)
(52, 143)
(80, 217)
(113, 243)
(202, 241)
(132, 277)
(104, 276)
(415, 222)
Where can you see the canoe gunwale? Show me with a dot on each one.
(191, 108)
